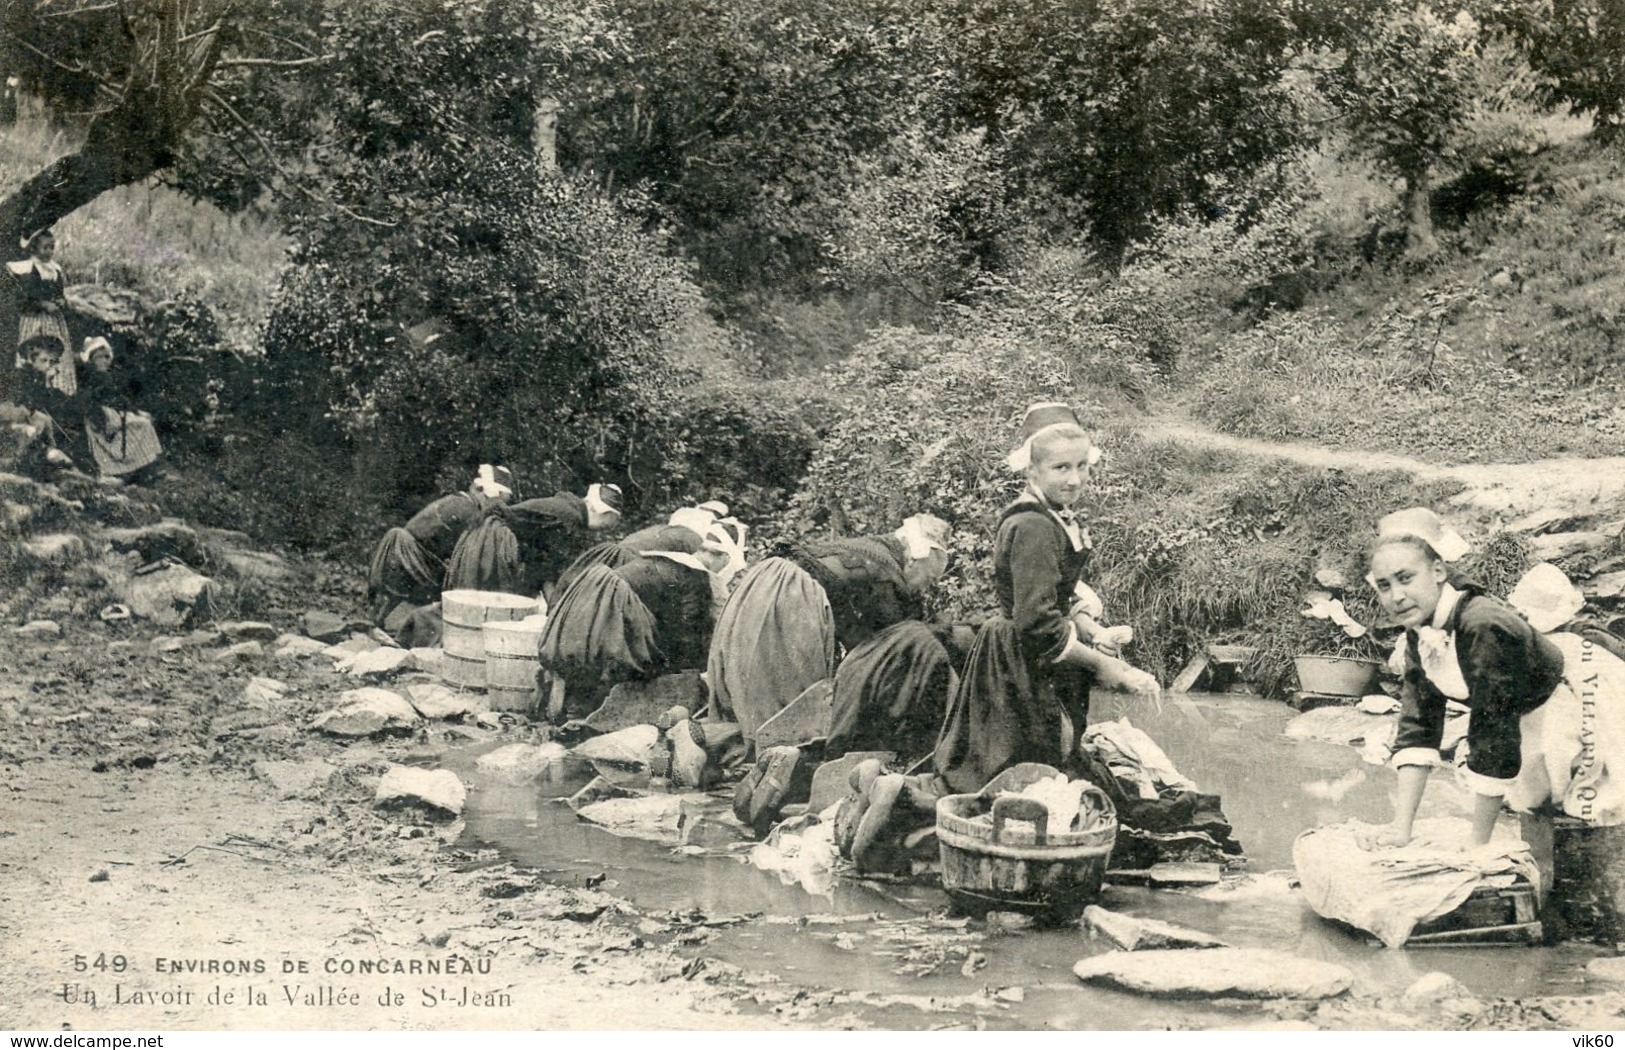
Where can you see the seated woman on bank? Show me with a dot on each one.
(1545, 729)
(58, 418)
(649, 617)
(1024, 694)
(523, 548)
(122, 439)
(793, 614)
(409, 563)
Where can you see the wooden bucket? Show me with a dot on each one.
(511, 662)
(465, 614)
(994, 867)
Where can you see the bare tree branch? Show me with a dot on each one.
(281, 63)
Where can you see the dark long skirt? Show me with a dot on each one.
(600, 631)
(891, 693)
(1011, 707)
(401, 571)
(611, 555)
(486, 558)
(774, 638)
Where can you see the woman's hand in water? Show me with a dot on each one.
(1141, 683)
(1387, 836)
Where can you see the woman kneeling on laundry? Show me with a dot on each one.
(1544, 728)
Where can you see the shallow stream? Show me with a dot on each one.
(1273, 787)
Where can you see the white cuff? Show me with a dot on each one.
(1479, 784)
(1075, 650)
(1416, 756)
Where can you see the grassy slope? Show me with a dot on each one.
(1415, 359)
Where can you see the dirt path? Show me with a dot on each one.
(1568, 486)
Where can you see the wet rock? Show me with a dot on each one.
(294, 779)
(168, 644)
(522, 763)
(61, 547)
(1135, 934)
(377, 663)
(248, 631)
(263, 692)
(171, 595)
(1184, 874)
(39, 630)
(434, 700)
(242, 652)
(363, 712)
(626, 751)
(436, 789)
(704, 826)
(168, 538)
(1433, 988)
(640, 703)
(1216, 973)
(1610, 970)
(652, 817)
(597, 790)
(802, 721)
(1013, 994)
(830, 782)
(1007, 922)
(324, 626)
(298, 647)
(203, 637)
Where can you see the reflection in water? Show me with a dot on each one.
(1273, 788)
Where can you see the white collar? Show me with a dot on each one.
(48, 270)
(1449, 598)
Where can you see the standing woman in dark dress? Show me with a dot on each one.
(39, 287)
(1024, 695)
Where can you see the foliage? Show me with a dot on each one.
(1126, 109)
(1578, 44)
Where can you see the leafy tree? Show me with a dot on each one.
(160, 86)
(1127, 108)
(1578, 44)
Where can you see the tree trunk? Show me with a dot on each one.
(546, 134)
(116, 152)
(1419, 240)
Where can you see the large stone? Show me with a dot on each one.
(363, 712)
(61, 547)
(242, 652)
(1608, 585)
(628, 748)
(640, 703)
(298, 647)
(802, 721)
(248, 631)
(294, 779)
(171, 596)
(324, 626)
(1196, 873)
(1217, 973)
(263, 692)
(166, 539)
(257, 565)
(378, 663)
(436, 789)
(830, 781)
(1135, 934)
(701, 824)
(522, 763)
(434, 700)
(656, 818)
(39, 630)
